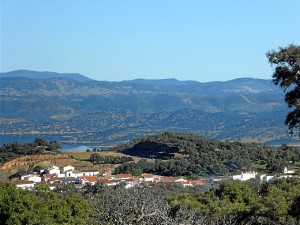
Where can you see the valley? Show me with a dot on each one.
(43, 103)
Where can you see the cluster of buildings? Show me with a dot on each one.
(264, 177)
(55, 176)
(286, 173)
(245, 176)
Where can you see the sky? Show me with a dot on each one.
(112, 40)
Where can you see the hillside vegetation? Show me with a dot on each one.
(14, 150)
(169, 154)
(187, 155)
(232, 203)
(112, 112)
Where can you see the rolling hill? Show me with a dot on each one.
(241, 109)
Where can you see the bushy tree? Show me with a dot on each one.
(54, 145)
(42, 207)
(236, 202)
(287, 74)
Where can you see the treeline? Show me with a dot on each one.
(13, 150)
(199, 155)
(99, 159)
(42, 207)
(233, 202)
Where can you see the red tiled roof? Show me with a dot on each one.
(135, 179)
(105, 181)
(124, 176)
(196, 182)
(169, 179)
(55, 179)
(89, 178)
(19, 182)
(48, 176)
(185, 182)
(69, 179)
(148, 175)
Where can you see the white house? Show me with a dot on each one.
(68, 168)
(73, 173)
(122, 176)
(267, 178)
(286, 171)
(180, 180)
(91, 173)
(86, 179)
(245, 176)
(186, 184)
(109, 182)
(32, 177)
(53, 170)
(286, 176)
(62, 175)
(146, 177)
(24, 184)
(53, 167)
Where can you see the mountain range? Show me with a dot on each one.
(243, 109)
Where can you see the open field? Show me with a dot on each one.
(82, 155)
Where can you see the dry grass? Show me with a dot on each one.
(81, 155)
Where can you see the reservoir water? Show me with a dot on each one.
(28, 138)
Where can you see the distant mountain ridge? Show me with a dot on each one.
(240, 85)
(244, 108)
(45, 75)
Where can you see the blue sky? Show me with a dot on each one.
(122, 40)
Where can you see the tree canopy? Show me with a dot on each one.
(42, 207)
(287, 74)
(233, 202)
(13, 150)
(197, 155)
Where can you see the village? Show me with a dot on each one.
(54, 177)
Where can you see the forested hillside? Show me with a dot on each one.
(230, 202)
(187, 155)
(111, 112)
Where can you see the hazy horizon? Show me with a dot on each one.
(140, 78)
